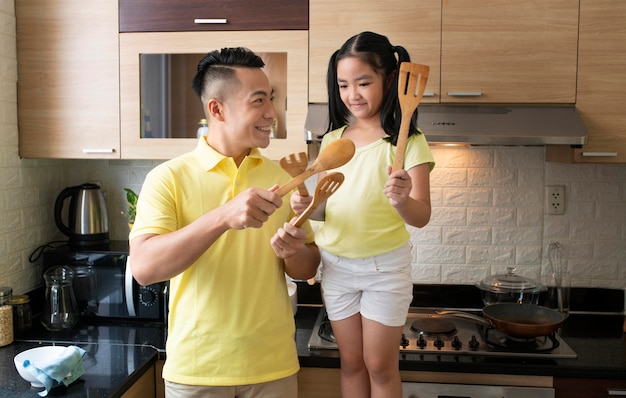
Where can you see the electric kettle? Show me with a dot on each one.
(87, 219)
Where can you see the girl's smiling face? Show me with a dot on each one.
(361, 88)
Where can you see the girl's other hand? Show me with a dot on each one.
(299, 203)
(398, 187)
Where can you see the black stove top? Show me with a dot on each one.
(426, 332)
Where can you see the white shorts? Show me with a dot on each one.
(380, 287)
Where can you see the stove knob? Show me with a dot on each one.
(404, 342)
(474, 343)
(439, 342)
(456, 343)
(421, 342)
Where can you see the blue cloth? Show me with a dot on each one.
(62, 369)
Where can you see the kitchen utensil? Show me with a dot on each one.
(325, 187)
(516, 320)
(87, 217)
(60, 310)
(294, 165)
(411, 84)
(510, 288)
(337, 153)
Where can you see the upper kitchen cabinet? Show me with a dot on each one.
(68, 79)
(502, 51)
(161, 43)
(601, 84)
(199, 15)
(415, 25)
(486, 51)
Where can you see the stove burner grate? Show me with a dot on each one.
(433, 327)
(501, 341)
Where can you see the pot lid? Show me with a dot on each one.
(510, 282)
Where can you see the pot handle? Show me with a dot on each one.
(465, 315)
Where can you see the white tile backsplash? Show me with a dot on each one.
(488, 205)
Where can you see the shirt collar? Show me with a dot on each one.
(209, 158)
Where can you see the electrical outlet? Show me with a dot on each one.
(555, 199)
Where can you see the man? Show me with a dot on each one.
(211, 223)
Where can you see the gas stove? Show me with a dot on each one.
(427, 332)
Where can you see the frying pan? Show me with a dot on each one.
(517, 320)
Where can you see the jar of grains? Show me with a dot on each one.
(6, 316)
(22, 317)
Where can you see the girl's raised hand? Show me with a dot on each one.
(398, 187)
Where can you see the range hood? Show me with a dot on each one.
(483, 124)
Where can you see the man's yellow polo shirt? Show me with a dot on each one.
(230, 317)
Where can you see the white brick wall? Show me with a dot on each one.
(488, 205)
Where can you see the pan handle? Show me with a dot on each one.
(465, 315)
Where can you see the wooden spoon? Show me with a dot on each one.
(324, 188)
(337, 153)
(294, 165)
(411, 84)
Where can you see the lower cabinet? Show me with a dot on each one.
(319, 382)
(158, 379)
(589, 388)
(143, 388)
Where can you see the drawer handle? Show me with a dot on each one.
(98, 150)
(210, 20)
(605, 154)
(612, 391)
(465, 93)
(428, 94)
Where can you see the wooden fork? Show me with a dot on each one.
(295, 165)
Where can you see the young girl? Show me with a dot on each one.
(366, 253)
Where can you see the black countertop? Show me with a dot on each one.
(118, 353)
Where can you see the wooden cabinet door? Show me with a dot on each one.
(589, 388)
(290, 103)
(601, 94)
(502, 51)
(319, 382)
(198, 15)
(415, 25)
(68, 87)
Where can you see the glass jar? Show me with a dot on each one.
(22, 317)
(6, 316)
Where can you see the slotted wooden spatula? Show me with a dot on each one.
(324, 188)
(295, 165)
(411, 84)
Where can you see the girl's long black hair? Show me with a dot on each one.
(376, 51)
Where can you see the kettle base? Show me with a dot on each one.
(89, 240)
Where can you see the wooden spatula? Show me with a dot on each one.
(411, 84)
(324, 188)
(337, 153)
(294, 165)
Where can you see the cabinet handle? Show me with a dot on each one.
(210, 20)
(98, 150)
(465, 93)
(613, 391)
(605, 154)
(428, 94)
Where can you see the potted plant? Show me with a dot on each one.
(131, 198)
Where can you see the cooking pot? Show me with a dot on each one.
(510, 288)
(87, 217)
(517, 320)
